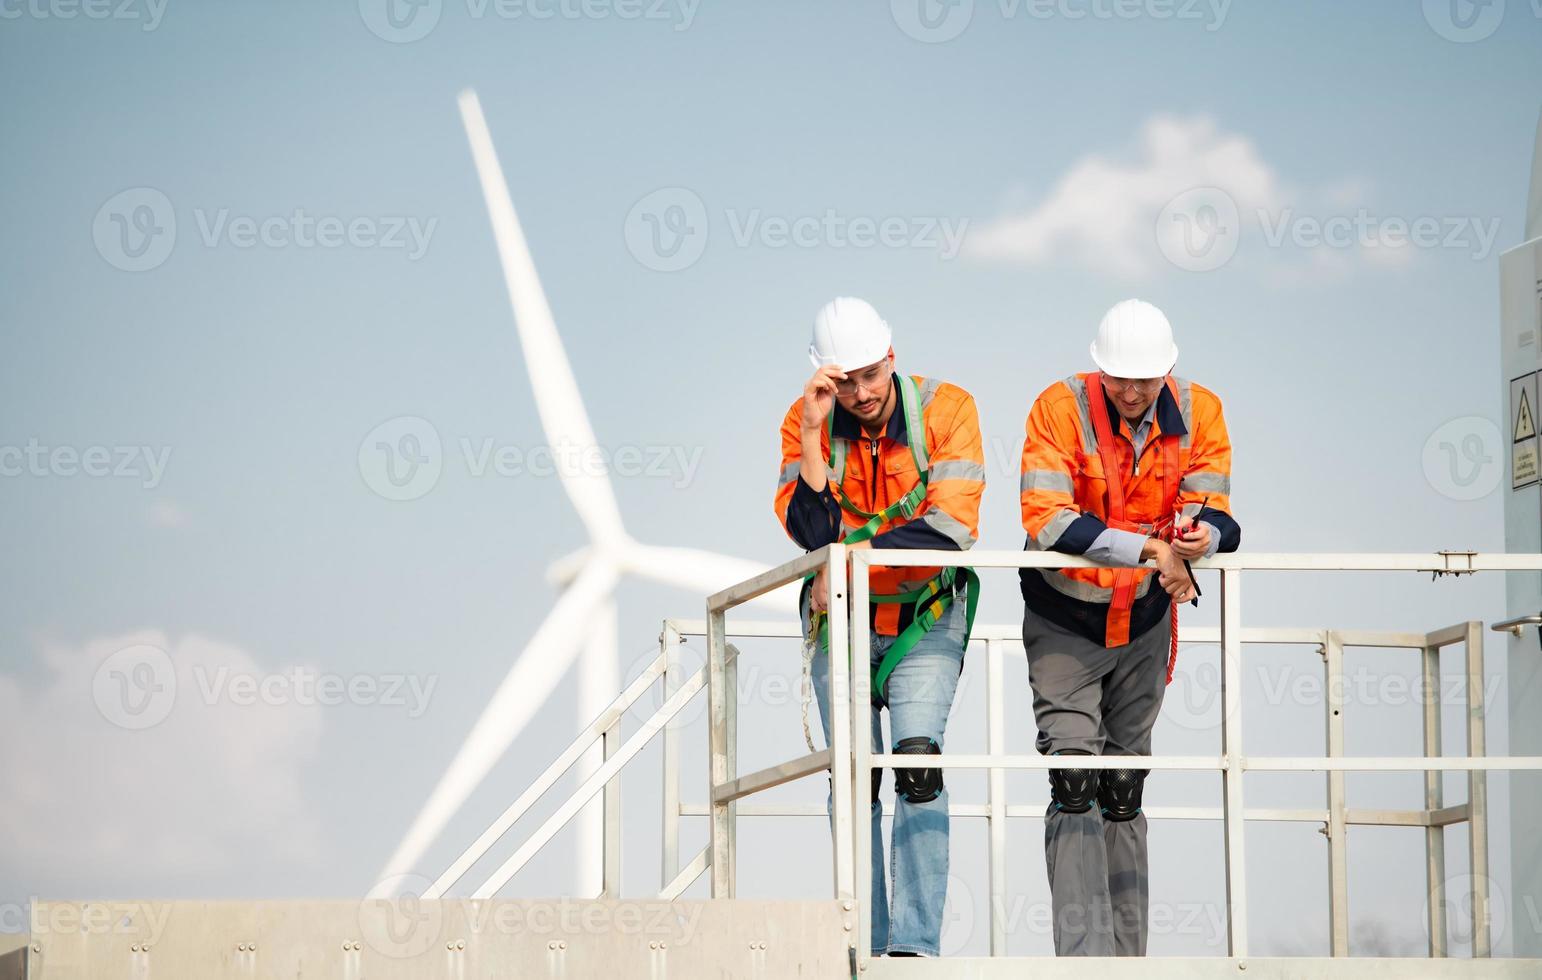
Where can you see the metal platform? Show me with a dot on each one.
(453, 939)
(562, 939)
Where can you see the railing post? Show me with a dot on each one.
(1337, 829)
(669, 641)
(719, 696)
(1231, 750)
(611, 801)
(996, 736)
(860, 671)
(1434, 799)
(1477, 793)
(840, 727)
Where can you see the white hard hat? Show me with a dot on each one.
(1134, 341)
(850, 334)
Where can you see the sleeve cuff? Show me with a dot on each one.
(1215, 539)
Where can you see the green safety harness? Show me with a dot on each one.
(931, 600)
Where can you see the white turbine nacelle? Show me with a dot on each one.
(590, 575)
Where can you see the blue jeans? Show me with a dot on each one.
(920, 694)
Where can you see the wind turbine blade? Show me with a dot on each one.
(1534, 201)
(703, 573)
(584, 473)
(527, 687)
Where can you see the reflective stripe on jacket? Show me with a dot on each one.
(949, 517)
(1064, 495)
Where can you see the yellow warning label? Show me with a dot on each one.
(1525, 426)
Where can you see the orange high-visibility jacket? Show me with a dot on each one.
(1067, 501)
(949, 517)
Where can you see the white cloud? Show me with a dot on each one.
(1191, 196)
(185, 786)
(1102, 212)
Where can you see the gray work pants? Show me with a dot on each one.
(1102, 701)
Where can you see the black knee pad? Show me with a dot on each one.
(1119, 794)
(1073, 790)
(918, 785)
(877, 782)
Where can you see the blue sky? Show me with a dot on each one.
(253, 364)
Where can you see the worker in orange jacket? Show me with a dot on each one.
(879, 459)
(1130, 467)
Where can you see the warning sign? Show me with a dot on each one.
(1524, 456)
(1525, 428)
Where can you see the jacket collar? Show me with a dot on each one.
(1169, 417)
(846, 425)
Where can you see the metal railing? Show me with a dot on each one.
(848, 755)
